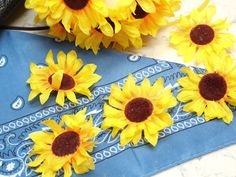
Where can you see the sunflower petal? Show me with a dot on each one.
(60, 98)
(57, 79)
(152, 139)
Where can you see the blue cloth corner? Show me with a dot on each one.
(189, 137)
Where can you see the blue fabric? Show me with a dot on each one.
(189, 137)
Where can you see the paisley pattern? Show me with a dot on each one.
(3, 61)
(15, 133)
(18, 103)
(18, 118)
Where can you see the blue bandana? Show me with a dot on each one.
(189, 137)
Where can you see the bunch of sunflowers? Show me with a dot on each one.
(93, 24)
(135, 110)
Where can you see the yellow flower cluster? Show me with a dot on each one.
(134, 111)
(67, 77)
(205, 40)
(93, 24)
(66, 146)
(200, 37)
(211, 93)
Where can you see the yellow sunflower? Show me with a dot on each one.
(153, 13)
(136, 109)
(58, 31)
(208, 93)
(67, 77)
(84, 13)
(125, 33)
(64, 147)
(199, 36)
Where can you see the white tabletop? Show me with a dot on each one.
(221, 163)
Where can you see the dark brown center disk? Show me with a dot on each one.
(202, 34)
(138, 109)
(212, 87)
(66, 143)
(67, 82)
(76, 4)
(139, 12)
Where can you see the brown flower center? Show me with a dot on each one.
(139, 12)
(138, 109)
(65, 143)
(212, 87)
(202, 34)
(67, 82)
(76, 4)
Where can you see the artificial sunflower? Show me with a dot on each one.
(58, 31)
(199, 36)
(136, 109)
(66, 77)
(125, 33)
(84, 13)
(153, 13)
(64, 147)
(209, 93)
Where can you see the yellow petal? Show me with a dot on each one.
(57, 79)
(71, 96)
(66, 20)
(187, 95)
(129, 86)
(52, 124)
(60, 98)
(61, 57)
(114, 132)
(67, 170)
(214, 110)
(229, 115)
(152, 139)
(41, 137)
(186, 83)
(127, 135)
(210, 13)
(192, 75)
(117, 93)
(83, 90)
(100, 7)
(48, 173)
(38, 160)
(137, 137)
(197, 106)
(145, 85)
(49, 58)
(116, 104)
(107, 30)
(32, 95)
(84, 23)
(44, 96)
(110, 111)
(147, 5)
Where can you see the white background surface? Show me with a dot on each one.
(217, 164)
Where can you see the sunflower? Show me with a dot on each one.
(209, 93)
(84, 13)
(124, 33)
(201, 35)
(58, 31)
(67, 77)
(64, 147)
(137, 109)
(153, 13)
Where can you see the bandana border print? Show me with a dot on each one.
(15, 165)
